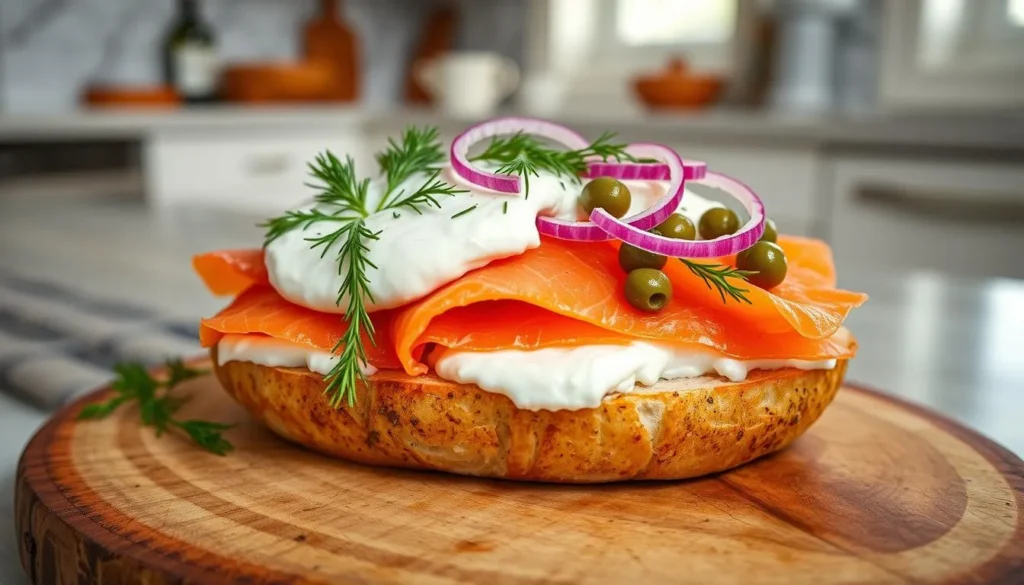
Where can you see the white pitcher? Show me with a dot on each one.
(469, 84)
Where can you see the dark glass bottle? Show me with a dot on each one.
(190, 55)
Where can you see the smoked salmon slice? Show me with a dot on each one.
(584, 283)
(231, 272)
(561, 293)
(260, 310)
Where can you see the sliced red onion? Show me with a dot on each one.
(746, 237)
(629, 171)
(501, 126)
(645, 220)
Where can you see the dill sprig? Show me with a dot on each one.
(420, 151)
(340, 189)
(338, 184)
(157, 406)
(426, 195)
(465, 211)
(523, 166)
(716, 276)
(524, 155)
(302, 219)
(353, 261)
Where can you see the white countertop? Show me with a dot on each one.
(991, 132)
(951, 345)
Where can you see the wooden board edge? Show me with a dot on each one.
(56, 532)
(62, 541)
(1007, 566)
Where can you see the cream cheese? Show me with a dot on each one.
(572, 378)
(417, 254)
(276, 353)
(542, 379)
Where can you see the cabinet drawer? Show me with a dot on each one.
(254, 171)
(960, 217)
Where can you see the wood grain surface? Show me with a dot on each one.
(876, 492)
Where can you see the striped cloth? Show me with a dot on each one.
(56, 344)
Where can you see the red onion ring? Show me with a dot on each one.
(746, 237)
(628, 171)
(497, 127)
(645, 220)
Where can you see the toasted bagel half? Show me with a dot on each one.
(675, 429)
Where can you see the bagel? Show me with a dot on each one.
(674, 429)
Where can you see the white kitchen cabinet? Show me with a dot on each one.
(963, 217)
(262, 171)
(784, 178)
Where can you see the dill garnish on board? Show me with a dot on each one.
(158, 406)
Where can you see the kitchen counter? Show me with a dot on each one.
(995, 133)
(950, 344)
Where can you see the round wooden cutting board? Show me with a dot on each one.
(876, 492)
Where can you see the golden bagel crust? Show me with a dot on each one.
(672, 430)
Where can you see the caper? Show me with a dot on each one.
(717, 222)
(631, 258)
(648, 289)
(768, 260)
(607, 193)
(770, 234)
(677, 226)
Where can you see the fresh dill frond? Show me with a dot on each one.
(157, 406)
(419, 152)
(524, 155)
(522, 166)
(606, 149)
(345, 232)
(426, 195)
(354, 262)
(716, 276)
(465, 211)
(291, 220)
(338, 184)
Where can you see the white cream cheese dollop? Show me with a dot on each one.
(553, 378)
(417, 254)
(572, 378)
(275, 353)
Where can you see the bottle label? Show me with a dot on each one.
(196, 70)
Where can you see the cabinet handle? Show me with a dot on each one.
(267, 164)
(976, 206)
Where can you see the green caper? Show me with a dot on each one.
(770, 233)
(648, 289)
(717, 222)
(608, 194)
(768, 260)
(631, 258)
(677, 226)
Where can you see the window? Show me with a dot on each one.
(953, 54)
(595, 48)
(674, 22)
(628, 35)
(1015, 12)
(970, 33)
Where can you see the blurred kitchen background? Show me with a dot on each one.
(893, 129)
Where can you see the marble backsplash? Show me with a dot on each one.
(51, 49)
